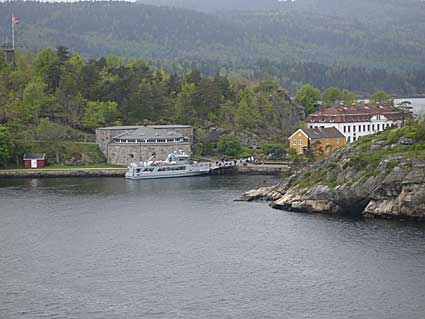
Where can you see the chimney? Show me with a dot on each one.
(322, 108)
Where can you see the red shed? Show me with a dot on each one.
(35, 160)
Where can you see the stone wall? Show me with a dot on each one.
(126, 153)
(104, 137)
(123, 154)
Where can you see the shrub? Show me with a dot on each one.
(274, 151)
(229, 145)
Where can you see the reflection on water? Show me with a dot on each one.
(181, 248)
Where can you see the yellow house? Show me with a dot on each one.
(321, 141)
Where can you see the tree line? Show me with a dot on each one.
(291, 45)
(311, 98)
(56, 95)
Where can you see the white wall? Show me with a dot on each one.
(354, 130)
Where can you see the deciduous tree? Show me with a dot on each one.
(308, 96)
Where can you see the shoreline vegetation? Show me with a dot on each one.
(53, 101)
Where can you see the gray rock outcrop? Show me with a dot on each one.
(395, 189)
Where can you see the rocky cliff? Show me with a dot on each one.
(380, 176)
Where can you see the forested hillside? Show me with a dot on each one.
(299, 38)
(55, 96)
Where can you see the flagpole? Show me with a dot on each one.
(13, 33)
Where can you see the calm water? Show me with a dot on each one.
(111, 248)
(418, 105)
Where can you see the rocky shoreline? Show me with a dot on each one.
(345, 184)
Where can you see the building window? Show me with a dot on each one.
(378, 127)
(368, 128)
(349, 128)
(294, 142)
(348, 139)
(354, 128)
(354, 139)
(373, 127)
(337, 140)
(364, 128)
(327, 141)
(300, 142)
(345, 129)
(360, 128)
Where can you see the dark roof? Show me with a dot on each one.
(354, 113)
(35, 156)
(135, 127)
(319, 133)
(147, 132)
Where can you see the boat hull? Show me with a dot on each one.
(174, 175)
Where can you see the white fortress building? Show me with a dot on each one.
(357, 120)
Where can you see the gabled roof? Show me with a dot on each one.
(35, 156)
(319, 133)
(298, 131)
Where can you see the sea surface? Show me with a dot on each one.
(182, 248)
(417, 104)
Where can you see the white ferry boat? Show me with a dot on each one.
(177, 164)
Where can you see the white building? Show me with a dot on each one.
(357, 120)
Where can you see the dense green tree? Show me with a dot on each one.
(229, 145)
(3, 64)
(63, 54)
(347, 97)
(308, 96)
(185, 109)
(35, 99)
(194, 76)
(52, 137)
(274, 151)
(247, 115)
(5, 145)
(47, 66)
(380, 97)
(331, 96)
(98, 114)
(21, 139)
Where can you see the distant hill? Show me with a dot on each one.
(372, 34)
(219, 5)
